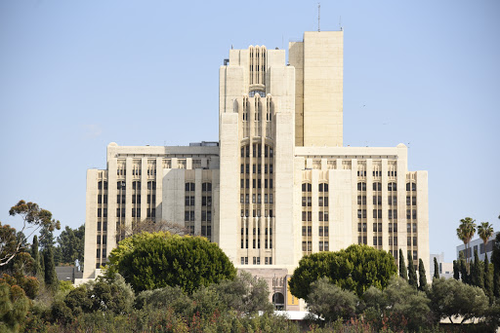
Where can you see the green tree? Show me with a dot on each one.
(422, 278)
(477, 272)
(400, 305)
(151, 261)
(402, 266)
(452, 299)
(51, 280)
(14, 306)
(72, 243)
(245, 294)
(466, 231)
(488, 278)
(495, 260)
(462, 264)
(412, 274)
(35, 254)
(485, 231)
(356, 268)
(436, 268)
(456, 270)
(330, 302)
(33, 218)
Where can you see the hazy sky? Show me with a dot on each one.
(77, 75)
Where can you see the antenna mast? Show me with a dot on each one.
(319, 16)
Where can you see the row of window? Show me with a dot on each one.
(391, 200)
(120, 212)
(256, 151)
(307, 216)
(392, 227)
(122, 185)
(307, 246)
(257, 213)
(205, 187)
(268, 243)
(362, 173)
(392, 214)
(189, 216)
(390, 186)
(256, 260)
(256, 198)
(256, 168)
(257, 231)
(256, 183)
(307, 187)
(322, 231)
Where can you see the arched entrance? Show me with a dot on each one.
(279, 301)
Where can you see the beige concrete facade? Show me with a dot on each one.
(281, 183)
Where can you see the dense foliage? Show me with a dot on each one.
(154, 260)
(356, 268)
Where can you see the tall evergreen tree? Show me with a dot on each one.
(464, 273)
(495, 260)
(436, 268)
(456, 270)
(51, 280)
(412, 274)
(402, 266)
(477, 272)
(42, 267)
(488, 278)
(35, 254)
(422, 278)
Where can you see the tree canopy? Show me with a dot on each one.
(34, 218)
(356, 268)
(451, 299)
(154, 260)
(72, 244)
(466, 231)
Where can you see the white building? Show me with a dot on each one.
(445, 268)
(279, 184)
(477, 245)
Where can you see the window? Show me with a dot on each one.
(377, 186)
(362, 186)
(392, 187)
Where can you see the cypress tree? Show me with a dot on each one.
(464, 274)
(436, 268)
(477, 272)
(35, 254)
(402, 266)
(488, 278)
(412, 274)
(495, 260)
(422, 278)
(456, 270)
(51, 280)
(42, 267)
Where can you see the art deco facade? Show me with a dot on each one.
(279, 184)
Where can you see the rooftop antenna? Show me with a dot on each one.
(340, 23)
(319, 16)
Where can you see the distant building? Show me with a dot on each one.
(279, 184)
(445, 268)
(68, 273)
(477, 245)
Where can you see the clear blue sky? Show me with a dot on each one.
(77, 75)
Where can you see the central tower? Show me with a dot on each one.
(257, 103)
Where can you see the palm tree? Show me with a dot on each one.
(485, 230)
(465, 232)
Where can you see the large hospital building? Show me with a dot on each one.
(279, 184)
